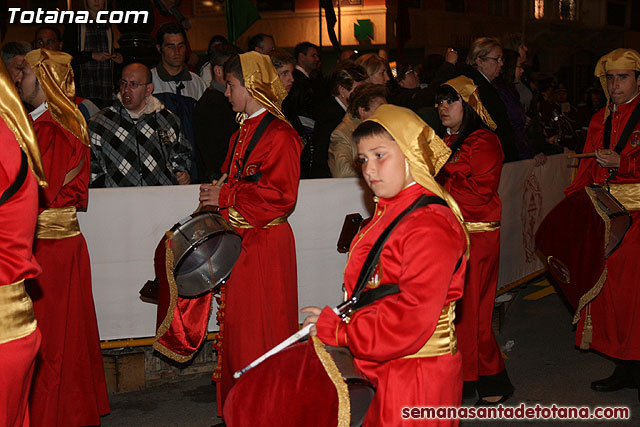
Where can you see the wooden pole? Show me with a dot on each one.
(518, 283)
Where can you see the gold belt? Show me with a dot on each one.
(57, 223)
(16, 312)
(443, 341)
(479, 227)
(628, 195)
(237, 220)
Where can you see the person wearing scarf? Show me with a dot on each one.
(609, 323)
(69, 386)
(259, 303)
(404, 343)
(472, 175)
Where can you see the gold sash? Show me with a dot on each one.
(444, 340)
(479, 227)
(237, 220)
(16, 312)
(628, 195)
(57, 223)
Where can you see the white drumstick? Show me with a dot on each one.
(284, 344)
(302, 333)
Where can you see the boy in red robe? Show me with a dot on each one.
(69, 387)
(609, 323)
(404, 343)
(259, 303)
(19, 336)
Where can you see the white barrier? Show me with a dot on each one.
(123, 227)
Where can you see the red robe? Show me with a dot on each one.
(420, 256)
(259, 307)
(69, 387)
(472, 175)
(616, 330)
(17, 226)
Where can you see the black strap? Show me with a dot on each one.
(262, 126)
(626, 133)
(15, 186)
(374, 254)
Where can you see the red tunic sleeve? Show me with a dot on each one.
(275, 161)
(424, 249)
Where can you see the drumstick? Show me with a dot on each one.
(584, 155)
(580, 156)
(302, 333)
(218, 183)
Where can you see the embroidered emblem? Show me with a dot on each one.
(376, 277)
(251, 170)
(635, 139)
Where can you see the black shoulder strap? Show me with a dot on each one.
(626, 133)
(262, 127)
(376, 249)
(15, 186)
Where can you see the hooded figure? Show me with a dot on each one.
(608, 323)
(472, 175)
(404, 343)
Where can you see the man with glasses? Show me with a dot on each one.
(137, 141)
(48, 38)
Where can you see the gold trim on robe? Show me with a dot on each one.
(443, 340)
(237, 220)
(627, 194)
(16, 312)
(57, 223)
(480, 227)
(342, 389)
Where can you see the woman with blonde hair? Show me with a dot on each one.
(376, 68)
(484, 63)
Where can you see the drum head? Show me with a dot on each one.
(205, 248)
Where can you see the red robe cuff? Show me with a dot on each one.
(331, 329)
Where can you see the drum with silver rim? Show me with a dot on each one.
(205, 248)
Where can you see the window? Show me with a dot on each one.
(538, 9)
(567, 10)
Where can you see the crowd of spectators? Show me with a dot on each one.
(533, 113)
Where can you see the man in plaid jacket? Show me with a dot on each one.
(137, 141)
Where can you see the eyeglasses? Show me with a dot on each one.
(46, 43)
(497, 59)
(132, 85)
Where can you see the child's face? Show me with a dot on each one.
(237, 94)
(383, 165)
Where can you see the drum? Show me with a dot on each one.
(205, 248)
(576, 237)
(304, 389)
(619, 218)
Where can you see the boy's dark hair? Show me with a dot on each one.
(220, 53)
(46, 27)
(170, 28)
(363, 95)
(470, 119)
(257, 40)
(303, 48)
(344, 75)
(217, 39)
(233, 66)
(368, 129)
(280, 58)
